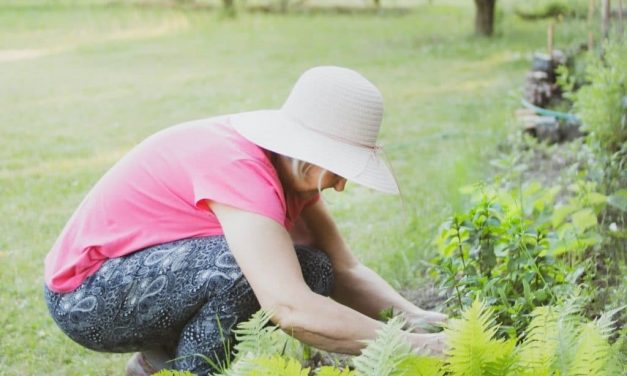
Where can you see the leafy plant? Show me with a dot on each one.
(544, 9)
(517, 249)
(602, 105)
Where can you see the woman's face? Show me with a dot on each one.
(315, 178)
(327, 179)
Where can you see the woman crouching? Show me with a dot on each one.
(205, 222)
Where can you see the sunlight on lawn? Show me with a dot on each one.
(91, 38)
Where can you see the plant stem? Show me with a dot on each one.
(459, 298)
(459, 244)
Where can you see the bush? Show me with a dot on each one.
(518, 249)
(602, 105)
(538, 9)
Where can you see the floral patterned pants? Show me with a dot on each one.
(185, 296)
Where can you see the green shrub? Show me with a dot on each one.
(517, 249)
(537, 9)
(602, 105)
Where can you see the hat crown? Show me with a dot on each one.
(337, 102)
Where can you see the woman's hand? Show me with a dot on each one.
(432, 344)
(421, 321)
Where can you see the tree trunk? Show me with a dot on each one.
(484, 18)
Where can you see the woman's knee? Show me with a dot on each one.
(317, 269)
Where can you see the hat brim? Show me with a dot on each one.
(274, 131)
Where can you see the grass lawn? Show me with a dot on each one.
(80, 85)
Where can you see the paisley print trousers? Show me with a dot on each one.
(185, 296)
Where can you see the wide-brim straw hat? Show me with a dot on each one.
(330, 119)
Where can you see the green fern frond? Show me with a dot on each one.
(568, 330)
(242, 367)
(332, 371)
(594, 355)
(538, 349)
(382, 356)
(417, 365)
(277, 366)
(256, 337)
(606, 322)
(504, 358)
(591, 353)
(617, 359)
(473, 350)
(551, 337)
(167, 372)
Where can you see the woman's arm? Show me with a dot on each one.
(356, 285)
(263, 249)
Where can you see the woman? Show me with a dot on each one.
(194, 230)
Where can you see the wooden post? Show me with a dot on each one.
(550, 38)
(605, 18)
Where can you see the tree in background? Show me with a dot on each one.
(484, 17)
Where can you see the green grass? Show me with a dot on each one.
(80, 85)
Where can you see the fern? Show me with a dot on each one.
(617, 359)
(568, 329)
(593, 354)
(277, 366)
(382, 356)
(538, 350)
(242, 367)
(167, 372)
(256, 337)
(416, 365)
(473, 350)
(558, 343)
(552, 335)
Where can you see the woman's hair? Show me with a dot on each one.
(300, 169)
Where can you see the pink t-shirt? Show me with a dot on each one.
(157, 192)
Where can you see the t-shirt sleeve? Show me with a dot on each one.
(244, 184)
